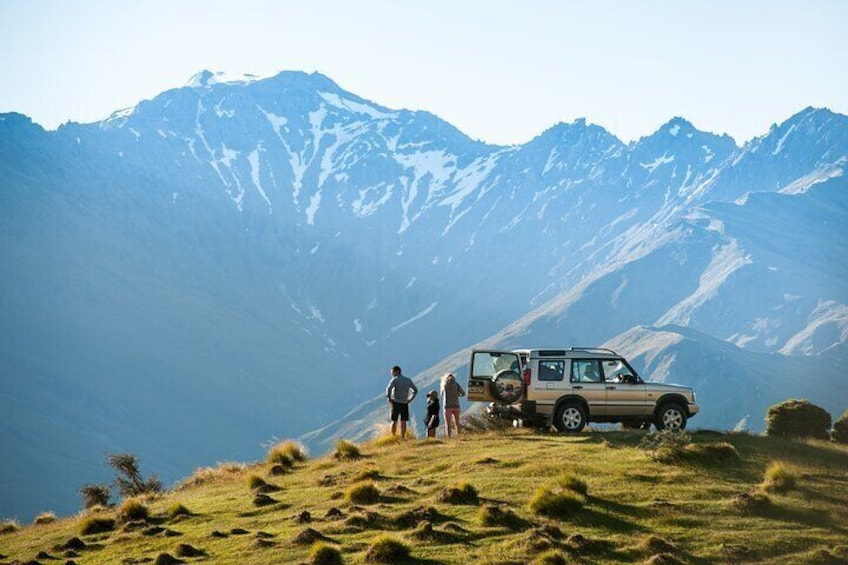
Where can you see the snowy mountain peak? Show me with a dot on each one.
(206, 78)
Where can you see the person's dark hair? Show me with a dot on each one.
(396, 369)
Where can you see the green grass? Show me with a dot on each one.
(637, 508)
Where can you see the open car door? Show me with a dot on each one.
(495, 376)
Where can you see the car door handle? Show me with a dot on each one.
(610, 388)
(578, 387)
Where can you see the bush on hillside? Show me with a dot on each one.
(563, 504)
(363, 493)
(9, 526)
(129, 480)
(387, 549)
(573, 482)
(94, 495)
(177, 509)
(463, 493)
(323, 553)
(132, 510)
(96, 525)
(347, 450)
(45, 518)
(798, 418)
(840, 429)
(287, 452)
(779, 478)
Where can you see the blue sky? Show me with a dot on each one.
(500, 71)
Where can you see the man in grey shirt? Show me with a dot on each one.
(398, 395)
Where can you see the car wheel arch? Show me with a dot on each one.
(671, 399)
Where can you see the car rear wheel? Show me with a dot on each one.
(570, 417)
(671, 417)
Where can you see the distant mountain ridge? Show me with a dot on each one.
(234, 261)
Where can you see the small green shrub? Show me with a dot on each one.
(551, 557)
(552, 504)
(255, 482)
(492, 516)
(751, 503)
(177, 509)
(45, 518)
(387, 549)
(9, 526)
(840, 429)
(463, 493)
(131, 510)
(129, 480)
(363, 493)
(779, 478)
(96, 525)
(94, 495)
(347, 450)
(574, 483)
(323, 553)
(798, 418)
(289, 449)
(666, 446)
(367, 475)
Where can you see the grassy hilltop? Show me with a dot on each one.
(512, 496)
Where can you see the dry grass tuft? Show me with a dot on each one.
(323, 553)
(9, 526)
(363, 493)
(133, 510)
(387, 549)
(779, 478)
(463, 493)
(560, 505)
(205, 475)
(286, 452)
(44, 518)
(96, 525)
(346, 450)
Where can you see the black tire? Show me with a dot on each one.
(507, 387)
(570, 417)
(671, 417)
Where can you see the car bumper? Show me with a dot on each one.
(693, 409)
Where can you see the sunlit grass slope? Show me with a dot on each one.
(513, 496)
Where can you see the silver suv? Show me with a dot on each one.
(569, 387)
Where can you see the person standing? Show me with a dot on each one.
(451, 391)
(432, 419)
(399, 397)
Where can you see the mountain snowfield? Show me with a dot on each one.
(243, 259)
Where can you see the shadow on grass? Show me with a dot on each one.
(270, 509)
(590, 517)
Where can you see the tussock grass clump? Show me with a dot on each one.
(568, 481)
(309, 536)
(346, 450)
(96, 525)
(187, 550)
(287, 451)
(563, 504)
(323, 553)
(166, 559)
(9, 526)
(653, 545)
(44, 518)
(363, 493)
(779, 478)
(131, 510)
(492, 516)
(365, 521)
(463, 493)
(263, 500)
(481, 423)
(176, 510)
(751, 503)
(663, 559)
(259, 485)
(539, 539)
(386, 549)
(666, 446)
(551, 557)
(712, 454)
(367, 475)
(205, 475)
(411, 518)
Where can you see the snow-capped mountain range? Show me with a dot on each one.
(242, 259)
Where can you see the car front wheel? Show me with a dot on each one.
(570, 417)
(671, 417)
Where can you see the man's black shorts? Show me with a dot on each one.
(400, 409)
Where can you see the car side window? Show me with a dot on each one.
(585, 371)
(615, 369)
(551, 370)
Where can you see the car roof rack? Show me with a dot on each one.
(593, 350)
